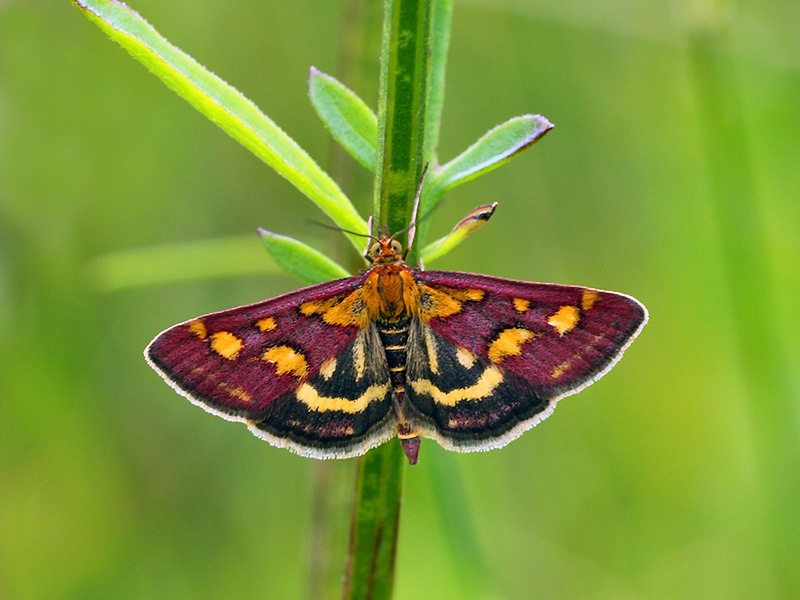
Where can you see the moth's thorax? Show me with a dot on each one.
(391, 292)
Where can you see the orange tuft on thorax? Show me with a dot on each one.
(390, 292)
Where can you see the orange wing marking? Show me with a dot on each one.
(236, 392)
(339, 310)
(226, 344)
(437, 303)
(588, 299)
(565, 319)
(509, 343)
(328, 368)
(287, 360)
(521, 305)
(560, 369)
(198, 328)
(266, 324)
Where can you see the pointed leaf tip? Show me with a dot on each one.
(475, 219)
(496, 147)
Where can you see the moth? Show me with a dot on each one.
(335, 369)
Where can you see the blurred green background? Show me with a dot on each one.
(672, 174)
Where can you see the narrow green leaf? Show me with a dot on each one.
(301, 260)
(346, 116)
(175, 263)
(476, 219)
(224, 105)
(496, 147)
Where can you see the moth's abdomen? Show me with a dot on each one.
(394, 336)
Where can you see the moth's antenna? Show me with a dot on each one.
(337, 228)
(412, 227)
(372, 237)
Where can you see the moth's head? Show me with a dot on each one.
(386, 251)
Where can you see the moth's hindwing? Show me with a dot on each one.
(299, 369)
(464, 400)
(343, 410)
(489, 357)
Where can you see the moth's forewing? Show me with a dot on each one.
(261, 364)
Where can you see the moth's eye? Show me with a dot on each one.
(396, 247)
(375, 251)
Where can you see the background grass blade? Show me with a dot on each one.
(174, 263)
(764, 371)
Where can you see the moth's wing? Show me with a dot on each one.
(305, 370)
(490, 357)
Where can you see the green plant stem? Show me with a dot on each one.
(406, 49)
(376, 519)
(405, 67)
